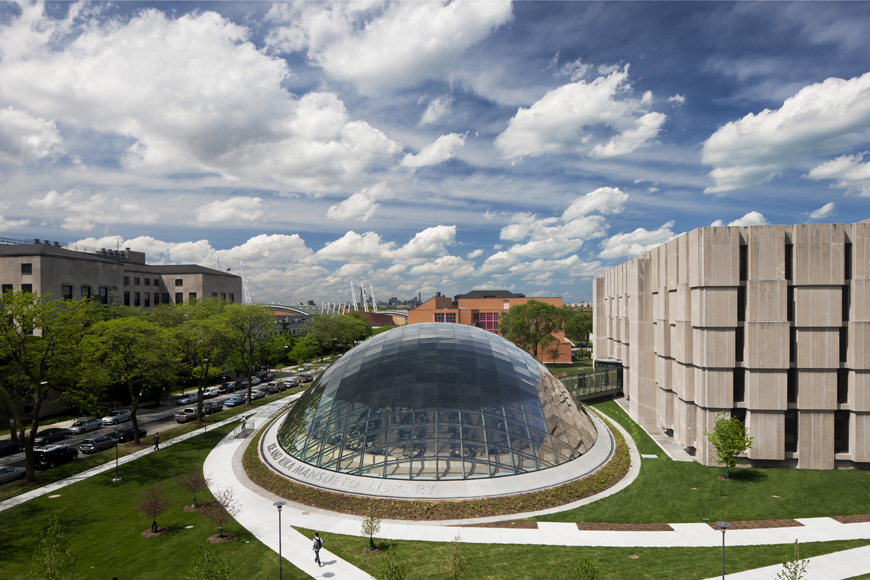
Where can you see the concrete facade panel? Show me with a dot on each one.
(766, 390)
(858, 355)
(859, 391)
(714, 388)
(766, 345)
(859, 437)
(819, 254)
(817, 390)
(815, 440)
(818, 348)
(766, 253)
(768, 435)
(682, 345)
(766, 300)
(713, 347)
(714, 307)
(818, 306)
(859, 301)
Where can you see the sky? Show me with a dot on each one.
(417, 147)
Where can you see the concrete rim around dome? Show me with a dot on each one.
(288, 466)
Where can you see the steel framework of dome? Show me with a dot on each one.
(436, 401)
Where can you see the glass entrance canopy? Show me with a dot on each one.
(436, 401)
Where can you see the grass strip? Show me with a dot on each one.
(645, 444)
(85, 462)
(103, 526)
(606, 477)
(678, 491)
(524, 561)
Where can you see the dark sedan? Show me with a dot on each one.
(8, 447)
(123, 435)
(50, 436)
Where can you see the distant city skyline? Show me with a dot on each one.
(422, 147)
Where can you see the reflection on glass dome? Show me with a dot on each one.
(436, 401)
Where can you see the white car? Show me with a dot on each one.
(115, 417)
(186, 400)
(255, 381)
(210, 392)
(8, 474)
(255, 394)
(85, 425)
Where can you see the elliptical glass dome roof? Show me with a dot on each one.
(436, 401)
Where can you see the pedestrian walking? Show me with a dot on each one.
(156, 441)
(244, 423)
(318, 543)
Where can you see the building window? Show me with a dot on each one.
(147, 281)
(136, 301)
(136, 281)
(156, 298)
(847, 300)
(791, 387)
(223, 295)
(179, 297)
(66, 291)
(844, 344)
(744, 263)
(789, 303)
(506, 305)
(791, 431)
(788, 261)
(741, 303)
(86, 291)
(842, 386)
(104, 295)
(147, 298)
(166, 299)
(445, 317)
(738, 343)
(847, 255)
(792, 344)
(126, 280)
(27, 288)
(488, 321)
(27, 268)
(157, 281)
(214, 294)
(7, 288)
(179, 282)
(739, 385)
(191, 296)
(841, 432)
(232, 297)
(126, 298)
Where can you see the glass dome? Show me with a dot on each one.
(436, 401)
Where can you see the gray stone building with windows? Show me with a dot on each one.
(768, 323)
(111, 276)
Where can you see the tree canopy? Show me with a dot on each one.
(530, 326)
(729, 439)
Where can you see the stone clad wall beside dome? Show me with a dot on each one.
(436, 401)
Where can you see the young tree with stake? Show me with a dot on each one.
(154, 501)
(223, 509)
(194, 481)
(457, 563)
(371, 525)
(53, 558)
(729, 439)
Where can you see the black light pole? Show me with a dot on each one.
(117, 476)
(279, 505)
(724, 526)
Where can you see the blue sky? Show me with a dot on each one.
(422, 147)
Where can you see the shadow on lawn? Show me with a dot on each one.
(749, 476)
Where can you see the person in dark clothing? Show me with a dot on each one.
(156, 441)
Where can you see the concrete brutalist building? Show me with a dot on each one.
(768, 323)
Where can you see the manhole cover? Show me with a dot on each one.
(54, 496)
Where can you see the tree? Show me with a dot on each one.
(391, 567)
(223, 509)
(194, 481)
(793, 568)
(371, 525)
(153, 501)
(729, 439)
(132, 351)
(53, 558)
(531, 325)
(244, 328)
(457, 563)
(209, 565)
(586, 571)
(39, 339)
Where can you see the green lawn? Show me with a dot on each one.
(104, 527)
(86, 462)
(521, 561)
(582, 365)
(675, 491)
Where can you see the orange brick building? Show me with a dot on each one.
(481, 308)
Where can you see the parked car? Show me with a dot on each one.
(50, 435)
(48, 457)
(186, 400)
(8, 473)
(306, 378)
(211, 392)
(85, 425)
(241, 385)
(8, 447)
(269, 388)
(257, 394)
(115, 417)
(226, 388)
(268, 377)
(98, 444)
(188, 414)
(234, 401)
(294, 382)
(210, 407)
(255, 381)
(124, 435)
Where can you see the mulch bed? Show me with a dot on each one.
(149, 534)
(608, 527)
(226, 538)
(518, 524)
(367, 551)
(758, 524)
(861, 518)
(189, 508)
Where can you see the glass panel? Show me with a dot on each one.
(401, 470)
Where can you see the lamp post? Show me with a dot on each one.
(279, 505)
(117, 476)
(723, 526)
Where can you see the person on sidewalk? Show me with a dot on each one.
(156, 441)
(244, 423)
(318, 543)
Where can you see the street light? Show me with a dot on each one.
(724, 526)
(117, 476)
(279, 505)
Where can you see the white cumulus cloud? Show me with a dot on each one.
(436, 109)
(380, 46)
(230, 210)
(24, 138)
(753, 218)
(604, 200)
(637, 242)
(81, 211)
(593, 118)
(821, 119)
(361, 205)
(847, 171)
(826, 210)
(441, 150)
